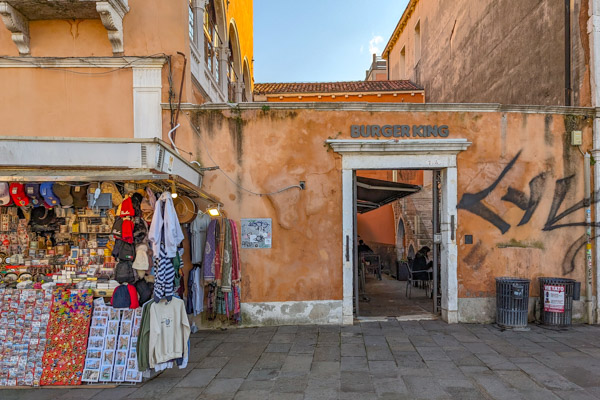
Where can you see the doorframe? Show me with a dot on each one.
(437, 154)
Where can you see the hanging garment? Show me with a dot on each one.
(210, 252)
(169, 331)
(165, 226)
(165, 276)
(195, 304)
(198, 230)
(235, 253)
(227, 256)
(144, 338)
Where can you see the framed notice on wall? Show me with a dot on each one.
(257, 233)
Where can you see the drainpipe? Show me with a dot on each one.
(594, 36)
(568, 53)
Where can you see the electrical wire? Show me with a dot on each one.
(227, 176)
(92, 65)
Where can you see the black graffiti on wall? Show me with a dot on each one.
(473, 202)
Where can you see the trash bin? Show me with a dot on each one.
(512, 302)
(556, 299)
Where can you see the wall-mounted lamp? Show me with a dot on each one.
(173, 190)
(214, 211)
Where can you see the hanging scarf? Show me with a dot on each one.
(218, 252)
(227, 255)
(235, 259)
(237, 315)
(210, 252)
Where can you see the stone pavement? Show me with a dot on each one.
(375, 360)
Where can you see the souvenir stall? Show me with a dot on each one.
(88, 270)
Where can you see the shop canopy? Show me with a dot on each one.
(39, 159)
(374, 193)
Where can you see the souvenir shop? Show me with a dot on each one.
(97, 277)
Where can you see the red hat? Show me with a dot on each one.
(17, 192)
(127, 208)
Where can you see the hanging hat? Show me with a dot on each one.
(17, 192)
(42, 216)
(110, 187)
(126, 208)
(49, 197)
(32, 190)
(185, 209)
(79, 194)
(5, 199)
(121, 297)
(133, 297)
(124, 272)
(141, 258)
(144, 291)
(63, 192)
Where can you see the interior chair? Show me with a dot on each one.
(411, 279)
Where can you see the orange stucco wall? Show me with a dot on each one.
(370, 98)
(266, 150)
(377, 225)
(97, 102)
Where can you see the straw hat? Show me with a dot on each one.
(185, 209)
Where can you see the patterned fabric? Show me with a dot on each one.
(67, 337)
(209, 252)
(165, 276)
(235, 253)
(226, 270)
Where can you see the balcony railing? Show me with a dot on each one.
(204, 77)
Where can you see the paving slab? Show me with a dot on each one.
(371, 360)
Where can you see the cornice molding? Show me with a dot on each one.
(397, 107)
(81, 62)
(17, 24)
(339, 94)
(406, 146)
(410, 8)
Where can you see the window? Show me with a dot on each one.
(402, 63)
(231, 77)
(191, 19)
(211, 40)
(417, 42)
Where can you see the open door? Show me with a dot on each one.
(437, 239)
(355, 247)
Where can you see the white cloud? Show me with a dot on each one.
(362, 48)
(374, 44)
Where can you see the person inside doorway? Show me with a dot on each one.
(363, 247)
(422, 268)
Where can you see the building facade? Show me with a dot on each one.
(525, 52)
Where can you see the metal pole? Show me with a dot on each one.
(588, 245)
(436, 225)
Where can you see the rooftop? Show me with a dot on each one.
(335, 87)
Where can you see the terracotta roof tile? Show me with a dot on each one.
(335, 87)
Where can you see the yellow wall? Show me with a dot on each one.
(241, 11)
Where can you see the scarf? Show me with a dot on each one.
(210, 252)
(235, 259)
(226, 265)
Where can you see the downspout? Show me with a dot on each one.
(568, 88)
(594, 36)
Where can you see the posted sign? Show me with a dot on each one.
(554, 298)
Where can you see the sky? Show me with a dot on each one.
(320, 40)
